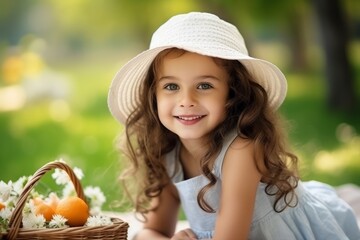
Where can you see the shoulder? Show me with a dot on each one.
(240, 149)
(240, 159)
(240, 144)
(233, 147)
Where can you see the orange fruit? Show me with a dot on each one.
(74, 209)
(1, 206)
(43, 208)
(46, 210)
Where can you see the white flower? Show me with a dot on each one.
(12, 200)
(96, 196)
(5, 190)
(5, 214)
(33, 221)
(68, 190)
(60, 177)
(58, 221)
(95, 210)
(78, 173)
(93, 221)
(19, 185)
(29, 208)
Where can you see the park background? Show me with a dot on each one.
(58, 58)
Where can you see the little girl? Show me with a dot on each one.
(202, 134)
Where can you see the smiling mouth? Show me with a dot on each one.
(190, 118)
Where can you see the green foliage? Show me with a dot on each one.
(31, 137)
(326, 142)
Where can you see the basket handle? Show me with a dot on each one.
(16, 217)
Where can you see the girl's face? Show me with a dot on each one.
(191, 93)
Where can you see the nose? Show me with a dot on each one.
(187, 99)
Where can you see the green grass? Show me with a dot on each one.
(32, 137)
(326, 142)
(85, 132)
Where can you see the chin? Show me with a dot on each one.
(191, 135)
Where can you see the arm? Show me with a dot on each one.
(240, 179)
(161, 223)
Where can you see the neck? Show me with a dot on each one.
(191, 153)
(193, 149)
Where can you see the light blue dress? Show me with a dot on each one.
(319, 214)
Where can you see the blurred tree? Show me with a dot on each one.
(290, 21)
(334, 40)
(12, 20)
(281, 20)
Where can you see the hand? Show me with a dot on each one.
(185, 234)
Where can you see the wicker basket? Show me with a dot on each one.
(118, 230)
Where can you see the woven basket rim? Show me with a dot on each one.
(118, 225)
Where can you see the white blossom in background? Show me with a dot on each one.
(5, 190)
(29, 208)
(78, 173)
(19, 185)
(10, 192)
(31, 221)
(93, 221)
(68, 190)
(5, 214)
(58, 221)
(60, 177)
(95, 211)
(96, 196)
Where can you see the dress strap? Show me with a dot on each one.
(220, 158)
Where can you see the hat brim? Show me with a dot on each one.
(123, 96)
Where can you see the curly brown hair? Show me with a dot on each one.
(147, 140)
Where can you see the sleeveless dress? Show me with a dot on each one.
(319, 214)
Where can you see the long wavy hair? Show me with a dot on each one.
(147, 141)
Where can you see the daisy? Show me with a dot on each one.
(19, 185)
(96, 196)
(68, 190)
(94, 221)
(5, 214)
(62, 178)
(58, 221)
(5, 190)
(31, 221)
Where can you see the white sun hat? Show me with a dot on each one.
(201, 33)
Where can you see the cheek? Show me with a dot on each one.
(218, 106)
(160, 103)
(162, 108)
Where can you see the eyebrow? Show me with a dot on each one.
(197, 78)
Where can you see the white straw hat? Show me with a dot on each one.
(202, 33)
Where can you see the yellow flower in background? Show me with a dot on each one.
(12, 69)
(15, 68)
